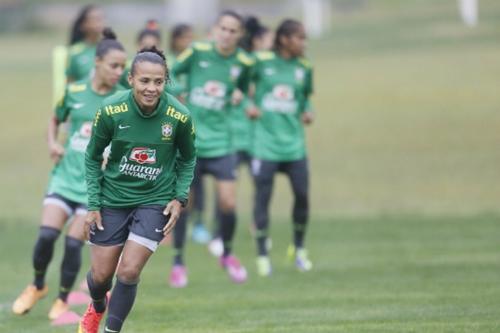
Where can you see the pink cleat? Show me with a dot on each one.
(178, 277)
(234, 268)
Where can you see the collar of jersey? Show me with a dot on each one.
(135, 106)
(214, 48)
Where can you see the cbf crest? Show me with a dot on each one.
(166, 131)
(235, 72)
(300, 74)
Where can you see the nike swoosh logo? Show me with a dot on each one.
(109, 330)
(123, 126)
(158, 230)
(78, 105)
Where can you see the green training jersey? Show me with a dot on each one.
(282, 90)
(210, 81)
(78, 106)
(81, 58)
(124, 78)
(241, 128)
(152, 156)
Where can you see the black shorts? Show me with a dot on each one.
(70, 207)
(222, 168)
(263, 170)
(243, 157)
(143, 224)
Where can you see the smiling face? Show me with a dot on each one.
(147, 81)
(110, 67)
(227, 33)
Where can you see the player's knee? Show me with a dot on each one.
(227, 204)
(101, 275)
(128, 274)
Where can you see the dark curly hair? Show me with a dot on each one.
(152, 55)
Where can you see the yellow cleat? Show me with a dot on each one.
(58, 308)
(28, 299)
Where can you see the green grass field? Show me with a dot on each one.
(405, 214)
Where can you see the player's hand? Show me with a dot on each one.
(236, 97)
(56, 151)
(307, 118)
(173, 209)
(92, 218)
(253, 112)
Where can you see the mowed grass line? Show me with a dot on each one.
(386, 274)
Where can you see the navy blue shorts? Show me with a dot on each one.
(143, 224)
(222, 168)
(69, 206)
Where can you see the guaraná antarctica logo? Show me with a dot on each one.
(142, 156)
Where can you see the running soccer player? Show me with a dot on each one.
(85, 35)
(146, 38)
(181, 38)
(214, 70)
(137, 199)
(283, 84)
(257, 38)
(66, 194)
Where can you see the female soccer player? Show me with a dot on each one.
(137, 199)
(283, 84)
(214, 70)
(85, 35)
(146, 38)
(66, 193)
(257, 38)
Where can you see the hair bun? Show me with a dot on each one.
(154, 50)
(252, 24)
(108, 33)
(152, 25)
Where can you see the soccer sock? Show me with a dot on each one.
(300, 214)
(299, 177)
(299, 231)
(261, 237)
(180, 238)
(227, 229)
(70, 265)
(98, 292)
(42, 253)
(120, 304)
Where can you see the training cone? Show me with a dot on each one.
(78, 298)
(67, 318)
(83, 285)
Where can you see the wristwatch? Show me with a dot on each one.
(182, 201)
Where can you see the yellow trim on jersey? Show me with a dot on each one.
(306, 63)
(184, 55)
(203, 46)
(74, 88)
(76, 48)
(265, 55)
(245, 59)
